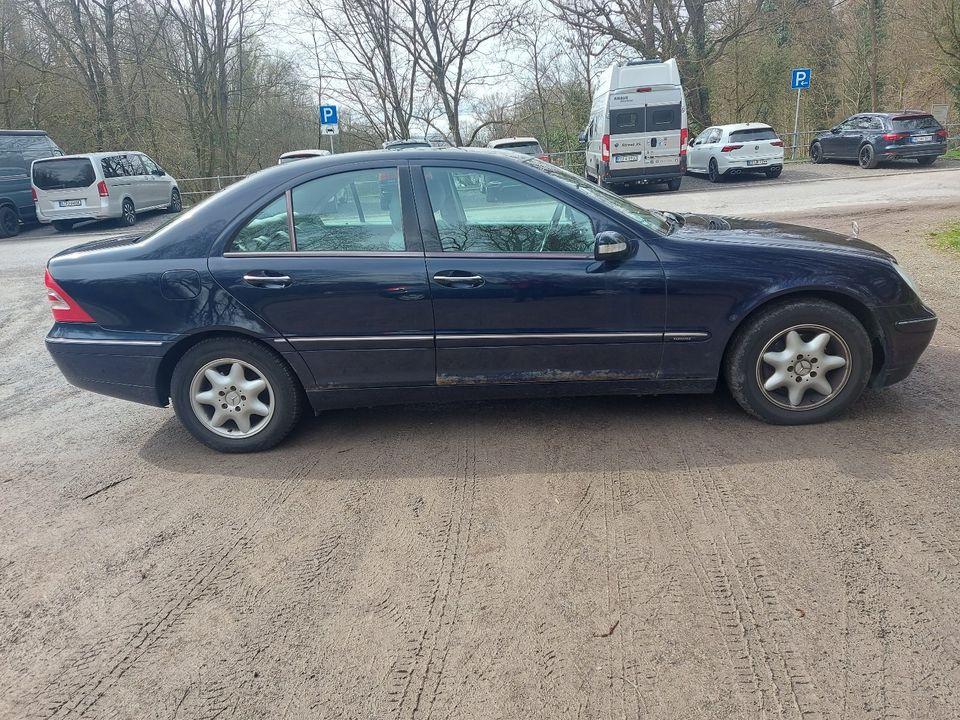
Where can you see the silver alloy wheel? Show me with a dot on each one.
(129, 212)
(176, 202)
(801, 359)
(232, 398)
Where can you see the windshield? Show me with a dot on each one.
(651, 219)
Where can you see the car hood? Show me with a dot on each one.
(773, 234)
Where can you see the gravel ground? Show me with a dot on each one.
(603, 557)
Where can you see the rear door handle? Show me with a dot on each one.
(262, 280)
(448, 279)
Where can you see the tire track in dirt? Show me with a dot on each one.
(90, 674)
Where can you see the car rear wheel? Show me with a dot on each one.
(9, 221)
(773, 172)
(816, 153)
(868, 157)
(128, 216)
(176, 202)
(235, 395)
(713, 172)
(799, 362)
(63, 225)
(674, 184)
(928, 160)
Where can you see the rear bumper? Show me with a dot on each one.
(907, 330)
(648, 175)
(90, 212)
(913, 151)
(121, 365)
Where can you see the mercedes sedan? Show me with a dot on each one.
(299, 288)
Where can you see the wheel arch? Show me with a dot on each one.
(181, 346)
(854, 305)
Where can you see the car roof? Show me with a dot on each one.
(309, 152)
(31, 133)
(94, 155)
(743, 126)
(894, 115)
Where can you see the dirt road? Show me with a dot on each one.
(593, 558)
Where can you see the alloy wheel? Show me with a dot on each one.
(803, 367)
(232, 398)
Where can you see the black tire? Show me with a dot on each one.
(283, 390)
(9, 222)
(674, 185)
(816, 153)
(867, 157)
(713, 172)
(928, 160)
(128, 218)
(176, 202)
(774, 172)
(745, 369)
(63, 225)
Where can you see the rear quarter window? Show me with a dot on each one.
(753, 134)
(63, 174)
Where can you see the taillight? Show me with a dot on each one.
(683, 141)
(893, 137)
(644, 89)
(63, 307)
(777, 143)
(941, 134)
(33, 193)
(544, 157)
(730, 148)
(102, 189)
(605, 148)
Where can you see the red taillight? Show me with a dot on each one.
(683, 141)
(777, 143)
(63, 307)
(102, 189)
(33, 192)
(544, 157)
(941, 134)
(893, 137)
(605, 148)
(730, 148)
(644, 89)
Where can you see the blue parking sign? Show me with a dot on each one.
(328, 114)
(800, 78)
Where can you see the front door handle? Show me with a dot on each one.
(267, 281)
(448, 279)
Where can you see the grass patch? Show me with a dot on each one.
(948, 238)
(955, 154)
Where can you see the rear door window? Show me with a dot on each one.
(623, 122)
(663, 117)
(63, 174)
(753, 135)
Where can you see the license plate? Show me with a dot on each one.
(70, 203)
(922, 138)
(756, 162)
(625, 158)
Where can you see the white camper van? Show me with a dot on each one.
(638, 126)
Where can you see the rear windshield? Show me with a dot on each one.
(915, 122)
(527, 148)
(63, 174)
(623, 122)
(753, 134)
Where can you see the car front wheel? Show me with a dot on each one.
(235, 395)
(176, 202)
(816, 153)
(9, 221)
(799, 362)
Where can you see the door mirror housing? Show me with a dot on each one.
(611, 246)
(835, 130)
(582, 137)
(159, 172)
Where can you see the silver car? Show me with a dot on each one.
(100, 186)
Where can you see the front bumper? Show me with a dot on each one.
(907, 331)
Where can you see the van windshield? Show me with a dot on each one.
(63, 173)
(753, 134)
(651, 220)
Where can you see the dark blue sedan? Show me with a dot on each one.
(303, 287)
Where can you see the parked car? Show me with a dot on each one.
(724, 150)
(19, 148)
(406, 144)
(295, 155)
(269, 298)
(637, 132)
(497, 190)
(99, 186)
(872, 138)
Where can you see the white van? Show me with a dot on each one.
(99, 186)
(638, 126)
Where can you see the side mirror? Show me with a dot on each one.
(835, 130)
(159, 172)
(610, 245)
(582, 137)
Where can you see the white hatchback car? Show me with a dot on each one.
(100, 186)
(724, 150)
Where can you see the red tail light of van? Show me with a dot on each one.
(33, 194)
(684, 134)
(102, 189)
(605, 148)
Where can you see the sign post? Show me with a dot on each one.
(329, 122)
(799, 80)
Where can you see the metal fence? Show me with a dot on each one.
(195, 189)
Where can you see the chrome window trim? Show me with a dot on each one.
(325, 253)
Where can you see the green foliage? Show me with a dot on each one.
(948, 238)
